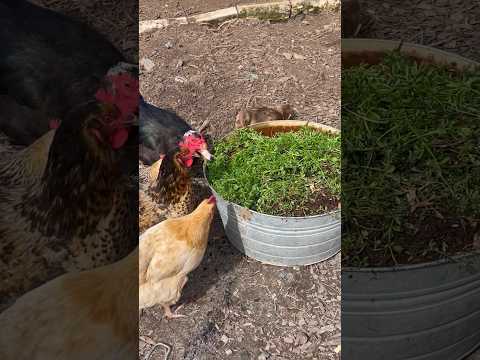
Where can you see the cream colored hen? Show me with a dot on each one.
(169, 251)
(78, 316)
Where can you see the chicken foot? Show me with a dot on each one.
(172, 315)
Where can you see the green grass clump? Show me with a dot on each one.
(277, 175)
(411, 160)
(272, 14)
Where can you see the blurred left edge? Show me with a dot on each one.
(68, 179)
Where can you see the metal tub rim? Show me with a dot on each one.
(450, 260)
(383, 45)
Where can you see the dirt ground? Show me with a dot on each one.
(238, 308)
(117, 20)
(450, 25)
(244, 62)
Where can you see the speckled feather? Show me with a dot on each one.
(166, 192)
(47, 231)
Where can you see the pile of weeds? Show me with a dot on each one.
(411, 162)
(288, 174)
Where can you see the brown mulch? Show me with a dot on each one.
(450, 25)
(117, 20)
(239, 308)
(245, 62)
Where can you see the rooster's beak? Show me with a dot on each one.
(206, 154)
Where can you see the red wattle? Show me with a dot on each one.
(188, 162)
(118, 139)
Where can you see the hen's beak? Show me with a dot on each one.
(206, 154)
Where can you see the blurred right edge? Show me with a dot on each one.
(427, 311)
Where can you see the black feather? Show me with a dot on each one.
(160, 131)
(48, 64)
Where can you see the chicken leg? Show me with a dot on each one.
(172, 315)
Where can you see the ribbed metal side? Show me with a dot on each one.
(276, 240)
(429, 312)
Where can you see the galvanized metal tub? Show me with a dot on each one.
(428, 311)
(278, 240)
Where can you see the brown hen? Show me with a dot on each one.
(66, 202)
(167, 191)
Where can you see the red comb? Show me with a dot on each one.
(125, 96)
(192, 142)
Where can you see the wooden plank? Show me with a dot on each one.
(223, 14)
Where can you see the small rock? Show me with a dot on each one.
(262, 357)
(228, 352)
(288, 339)
(168, 45)
(301, 322)
(180, 79)
(288, 56)
(301, 338)
(224, 338)
(180, 63)
(298, 57)
(147, 64)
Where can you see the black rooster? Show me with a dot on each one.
(163, 131)
(49, 63)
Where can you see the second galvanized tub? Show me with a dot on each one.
(427, 311)
(422, 312)
(277, 240)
